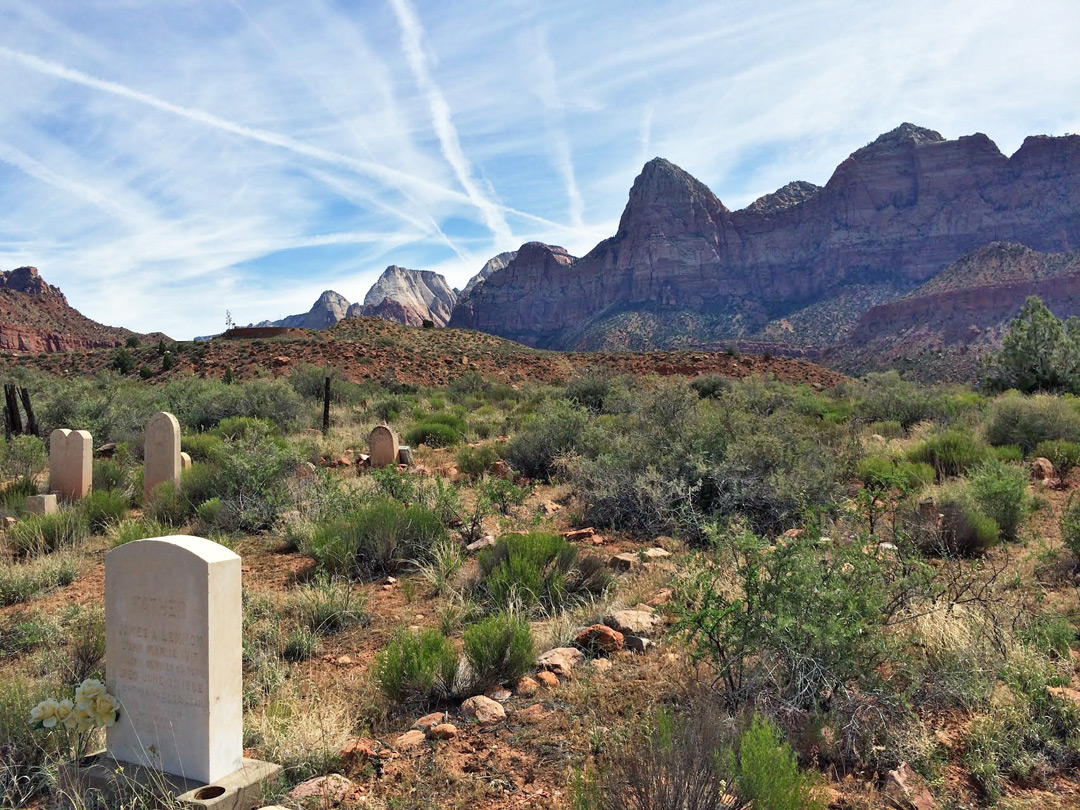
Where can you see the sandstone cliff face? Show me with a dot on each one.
(326, 311)
(409, 297)
(35, 317)
(490, 266)
(893, 214)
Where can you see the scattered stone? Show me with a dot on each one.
(484, 542)
(560, 661)
(41, 504)
(329, 790)
(791, 534)
(532, 714)
(484, 710)
(429, 721)
(7, 522)
(304, 470)
(409, 740)
(281, 360)
(908, 790)
(548, 679)
(625, 562)
(357, 748)
(500, 469)
(633, 622)
(549, 507)
(444, 731)
(662, 597)
(651, 554)
(344, 661)
(637, 644)
(1043, 470)
(579, 534)
(388, 587)
(600, 638)
(499, 693)
(526, 686)
(601, 664)
(390, 581)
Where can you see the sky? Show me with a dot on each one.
(166, 161)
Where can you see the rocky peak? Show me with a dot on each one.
(903, 136)
(539, 252)
(492, 265)
(410, 297)
(794, 193)
(666, 199)
(26, 280)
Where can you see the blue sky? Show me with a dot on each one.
(163, 161)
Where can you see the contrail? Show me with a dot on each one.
(370, 168)
(411, 34)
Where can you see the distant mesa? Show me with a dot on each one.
(35, 317)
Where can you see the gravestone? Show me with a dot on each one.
(173, 648)
(71, 467)
(41, 504)
(383, 444)
(161, 452)
(185, 462)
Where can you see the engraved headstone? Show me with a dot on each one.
(71, 468)
(173, 656)
(383, 444)
(41, 504)
(161, 452)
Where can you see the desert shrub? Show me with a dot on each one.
(1063, 454)
(1000, 491)
(109, 474)
(446, 559)
(381, 535)
(887, 397)
(232, 428)
(1008, 453)
(498, 649)
(168, 504)
(43, 534)
(327, 606)
(537, 570)
(417, 667)
(26, 752)
(588, 390)
(881, 473)
(14, 493)
(475, 461)
(502, 494)
(887, 429)
(1026, 421)
(21, 581)
(950, 453)
(1070, 526)
(710, 386)
(301, 644)
(24, 458)
(767, 774)
(803, 621)
(202, 446)
(103, 507)
(84, 650)
(963, 530)
(433, 434)
(388, 409)
(137, 529)
(1051, 634)
(556, 429)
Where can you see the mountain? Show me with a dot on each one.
(326, 311)
(798, 267)
(409, 297)
(36, 317)
(494, 263)
(941, 329)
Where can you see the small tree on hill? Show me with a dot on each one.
(1038, 353)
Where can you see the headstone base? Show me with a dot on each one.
(112, 780)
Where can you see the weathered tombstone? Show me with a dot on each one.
(173, 661)
(185, 461)
(71, 457)
(383, 444)
(41, 504)
(161, 452)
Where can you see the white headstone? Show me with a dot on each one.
(383, 444)
(161, 454)
(185, 461)
(173, 656)
(71, 462)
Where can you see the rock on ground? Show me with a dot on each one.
(633, 622)
(484, 710)
(329, 790)
(560, 660)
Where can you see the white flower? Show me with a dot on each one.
(80, 721)
(64, 709)
(103, 710)
(44, 714)
(87, 691)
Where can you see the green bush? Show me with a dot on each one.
(498, 649)
(881, 473)
(379, 536)
(168, 505)
(327, 606)
(417, 667)
(1008, 453)
(1070, 526)
(13, 495)
(1026, 421)
(886, 397)
(24, 775)
(538, 570)
(301, 644)
(475, 461)
(109, 474)
(767, 771)
(1052, 634)
(432, 434)
(24, 458)
(1000, 491)
(42, 534)
(138, 529)
(965, 530)
(103, 507)
(589, 390)
(556, 429)
(1063, 454)
(710, 386)
(202, 446)
(20, 582)
(887, 429)
(950, 453)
